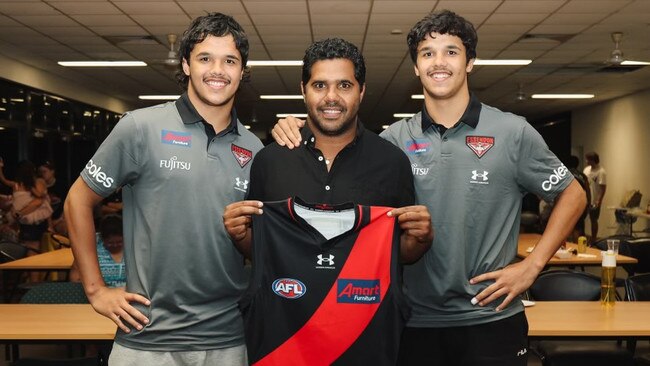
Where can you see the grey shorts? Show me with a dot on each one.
(123, 356)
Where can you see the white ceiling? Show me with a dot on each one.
(39, 33)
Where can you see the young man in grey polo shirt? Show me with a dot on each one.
(472, 165)
(179, 164)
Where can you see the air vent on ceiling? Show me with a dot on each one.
(542, 37)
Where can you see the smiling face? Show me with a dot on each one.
(442, 66)
(215, 70)
(332, 96)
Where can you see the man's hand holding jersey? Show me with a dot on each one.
(237, 220)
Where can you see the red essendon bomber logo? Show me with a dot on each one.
(243, 156)
(176, 138)
(479, 144)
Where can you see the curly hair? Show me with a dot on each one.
(332, 48)
(212, 24)
(444, 22)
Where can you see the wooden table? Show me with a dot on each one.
(593, 257)
(48, 322)
(549, 319)
(35, 323)
(60, 259)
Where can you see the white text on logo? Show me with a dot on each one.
(329, 261)
(173, 163)
(96, 172)
(419, 171)
(555, 178)
(241, 184)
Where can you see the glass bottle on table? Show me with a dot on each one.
(608, 279)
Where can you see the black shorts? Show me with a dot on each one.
(499, 343)
(594, 213)
(32, 232)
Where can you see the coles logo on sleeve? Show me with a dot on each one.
(96, 173)
(243, 156)
(176, 138)
(479, 144)
(358, 291)
(288, 288)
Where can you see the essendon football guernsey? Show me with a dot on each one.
(319, 301)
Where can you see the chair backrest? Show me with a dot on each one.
(86, 361)
(10, 251)
(55, 293)
(637, 288)
(640, 249)
(565, 285)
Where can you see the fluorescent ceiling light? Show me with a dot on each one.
(383, 127)
(102, 63)
(635, 63)
(483, 62)
(158, 97)
(248, 127)
(281, 97)
(417, 96)
(297, 115)
(403, 115)
(562, 96)
(274, 63)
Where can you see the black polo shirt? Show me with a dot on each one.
(368, 171)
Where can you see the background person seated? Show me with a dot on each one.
(110, 248)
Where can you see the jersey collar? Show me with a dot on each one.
(469, 117)
(189, 115)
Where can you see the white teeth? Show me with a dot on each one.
(217, 83)
(440, 75)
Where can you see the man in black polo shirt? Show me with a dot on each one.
(342, 162)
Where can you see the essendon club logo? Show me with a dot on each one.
(243, 156)
(479, 144)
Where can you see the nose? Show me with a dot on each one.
(332, 94)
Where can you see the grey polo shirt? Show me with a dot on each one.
(177, 177)
(472, 177)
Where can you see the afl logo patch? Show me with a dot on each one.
(243, 156)
(479, 144)
(288, 288)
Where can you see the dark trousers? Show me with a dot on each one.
(500, 343)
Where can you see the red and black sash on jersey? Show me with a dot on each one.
(340, 319)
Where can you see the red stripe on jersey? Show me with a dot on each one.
(335, 326)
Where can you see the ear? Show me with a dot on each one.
(470, 65)
(186, 67)
(302, 89)
(363, 91)
(415, 67)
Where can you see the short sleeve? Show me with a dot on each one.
(117, 160)
(539, 171)
(602, 177)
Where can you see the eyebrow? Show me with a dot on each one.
(204, 53)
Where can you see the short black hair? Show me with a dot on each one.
(333, 48)
(211, 24)
(573, 162)
(444, 22)
(111, 225)
(593, 156)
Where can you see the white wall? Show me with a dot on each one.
(18, 72)
(619, 131)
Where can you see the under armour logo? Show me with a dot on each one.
(476, 175)
(522, 352)
(329, 261)
(241, 183)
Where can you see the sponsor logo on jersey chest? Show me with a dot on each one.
(289, 288)
(479, 144)
(176, 138)
(353, 291)
(173, 164)
(417, 146)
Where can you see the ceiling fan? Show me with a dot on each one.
(615, 62)
(172, 61)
